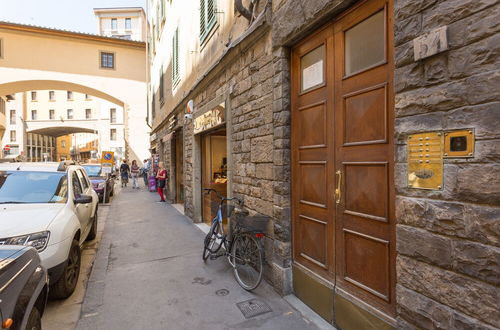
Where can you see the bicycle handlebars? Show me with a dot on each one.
(222, 198)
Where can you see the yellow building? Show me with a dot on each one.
(63, 144)
(68, 67)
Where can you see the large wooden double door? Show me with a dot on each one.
(342, 154)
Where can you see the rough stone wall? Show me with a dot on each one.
(252, 135)
(249, 77)
(282, 277)
(448, 242)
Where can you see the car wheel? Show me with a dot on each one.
(34, 320)
(93, 230)
(66, 284)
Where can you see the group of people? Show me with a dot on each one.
(135, 172)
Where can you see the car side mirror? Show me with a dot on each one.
(83, 199)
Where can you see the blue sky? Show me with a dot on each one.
(74, 15)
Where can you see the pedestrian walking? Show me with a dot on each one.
(145, 172)
(134, 173)
(161, 178)
(124, 173)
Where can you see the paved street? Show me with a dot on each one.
(149, 274)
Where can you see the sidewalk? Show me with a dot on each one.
(149, 274)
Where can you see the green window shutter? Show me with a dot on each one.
(207, 17)
(202, 18)
(210, 11)
(177, 53)
(175, 58)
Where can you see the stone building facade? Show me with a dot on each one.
(445, 240)
(451, 281)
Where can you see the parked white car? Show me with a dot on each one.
(53, 208)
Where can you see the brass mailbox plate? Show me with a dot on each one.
(469, 152)
(425, 161)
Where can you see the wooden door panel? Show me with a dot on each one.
(367, 192)
(365, 116)
(313, 190)
(312, 150)
(312, 126)
(364, 122)
(313, 240)
(367, 263)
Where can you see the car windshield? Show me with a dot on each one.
(33, 187)
(93, 170)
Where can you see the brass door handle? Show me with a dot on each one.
(338, 192)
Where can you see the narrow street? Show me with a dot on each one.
(148, 273)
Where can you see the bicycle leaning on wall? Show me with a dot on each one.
(243, 247)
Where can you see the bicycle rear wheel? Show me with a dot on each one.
(247, 258)
(210, 245)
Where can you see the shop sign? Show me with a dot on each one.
(210, 119)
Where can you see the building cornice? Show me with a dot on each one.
(119, 10)
(70, 34)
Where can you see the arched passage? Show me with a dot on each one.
(71, 61)
(56, 131)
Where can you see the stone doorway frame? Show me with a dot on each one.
(197, 157)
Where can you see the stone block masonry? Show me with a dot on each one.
(448, 241)
(259, 135)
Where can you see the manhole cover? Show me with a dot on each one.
(222, 292)
(253, 307)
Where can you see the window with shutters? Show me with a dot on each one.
(162, 11)
(112, 134)
(153, 107)
(175, 60)
(161, 87)
(112, 115)
(207, 18)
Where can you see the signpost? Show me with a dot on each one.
(107, 161)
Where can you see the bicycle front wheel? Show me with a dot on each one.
(247, 258)
(210, 245)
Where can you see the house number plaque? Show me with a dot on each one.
(425, 161)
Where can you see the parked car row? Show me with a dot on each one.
(47, 211)
(104, 185)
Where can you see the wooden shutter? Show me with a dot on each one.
(202, 18)
(177, 53)
(210, 11)
(175, 57)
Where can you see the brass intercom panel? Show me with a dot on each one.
(425, 161)
(458, 144)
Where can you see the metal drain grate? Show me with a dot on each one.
(253, 307)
